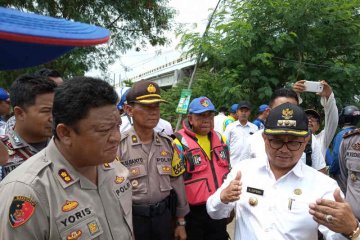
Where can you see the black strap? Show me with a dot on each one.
(308, 152)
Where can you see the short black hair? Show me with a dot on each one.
(76, 97)
(46, 72)
(222, 109)
(283, 92)
(25, 88)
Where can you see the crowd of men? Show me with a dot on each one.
(80, 161)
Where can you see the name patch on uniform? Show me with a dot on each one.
(65, 176)
(21, 209)
(69, 205)
(255, 191)
(126, 186)
(74, 235)
(353, 154)
(131, 162)
(76, 216)
(163, 159)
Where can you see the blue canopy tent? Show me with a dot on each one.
(28, 39)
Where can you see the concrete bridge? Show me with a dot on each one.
(167, 75)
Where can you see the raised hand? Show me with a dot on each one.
(232, 192)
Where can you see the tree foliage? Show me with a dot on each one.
(133, 24)
(256, 46)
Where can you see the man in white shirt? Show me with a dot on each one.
(275, 197)
(255, 146)
(239, 131)
(328, 101)
(219, 120)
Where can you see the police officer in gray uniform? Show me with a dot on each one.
(149, 155)
(72, 189)
(32, 100)
(349, 161)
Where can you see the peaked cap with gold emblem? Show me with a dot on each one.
(287, 119)
(144, 92)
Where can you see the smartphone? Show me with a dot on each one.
(311, 86)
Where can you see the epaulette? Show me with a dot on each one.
(124, 135)
(351, 133)
(3, 138)
(164, 135)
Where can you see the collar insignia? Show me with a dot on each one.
(65, 176)
(134, 139)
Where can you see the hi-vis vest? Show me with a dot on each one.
(203, 176)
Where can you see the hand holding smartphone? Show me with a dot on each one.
(311, 86)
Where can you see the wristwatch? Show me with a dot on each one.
(355, 233)
(180, 223)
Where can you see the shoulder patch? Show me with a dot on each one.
(21, 209)
(351, 133)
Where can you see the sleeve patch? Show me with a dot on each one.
(21, 210)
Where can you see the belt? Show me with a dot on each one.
(151, 210)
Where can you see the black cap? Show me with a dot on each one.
(144, 92)
(313, 113)
(287, 119)
(244, 104)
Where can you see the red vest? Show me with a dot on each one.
(203, 176)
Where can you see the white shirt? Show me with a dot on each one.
(331, 122)
(272, 217)
(255, 148)
(218, 122)
(236, 136)
(162, 126)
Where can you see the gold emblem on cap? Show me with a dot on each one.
(151, 88)
(356, 146)
(253, 201)
(204, 102)
(287, 113)
(353, 177)
(134, 183)
(297, 191)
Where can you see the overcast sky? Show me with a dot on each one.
(188, 12)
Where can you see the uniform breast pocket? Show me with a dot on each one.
(82, 224)
(353, 165)
(137, 176)
(164, 170)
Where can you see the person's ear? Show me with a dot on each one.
(19, 113)
(64, 133)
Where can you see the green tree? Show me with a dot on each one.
(256, 46)
(133, 24)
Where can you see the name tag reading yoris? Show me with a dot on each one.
(255, 191)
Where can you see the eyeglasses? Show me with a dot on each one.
(291, 145)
